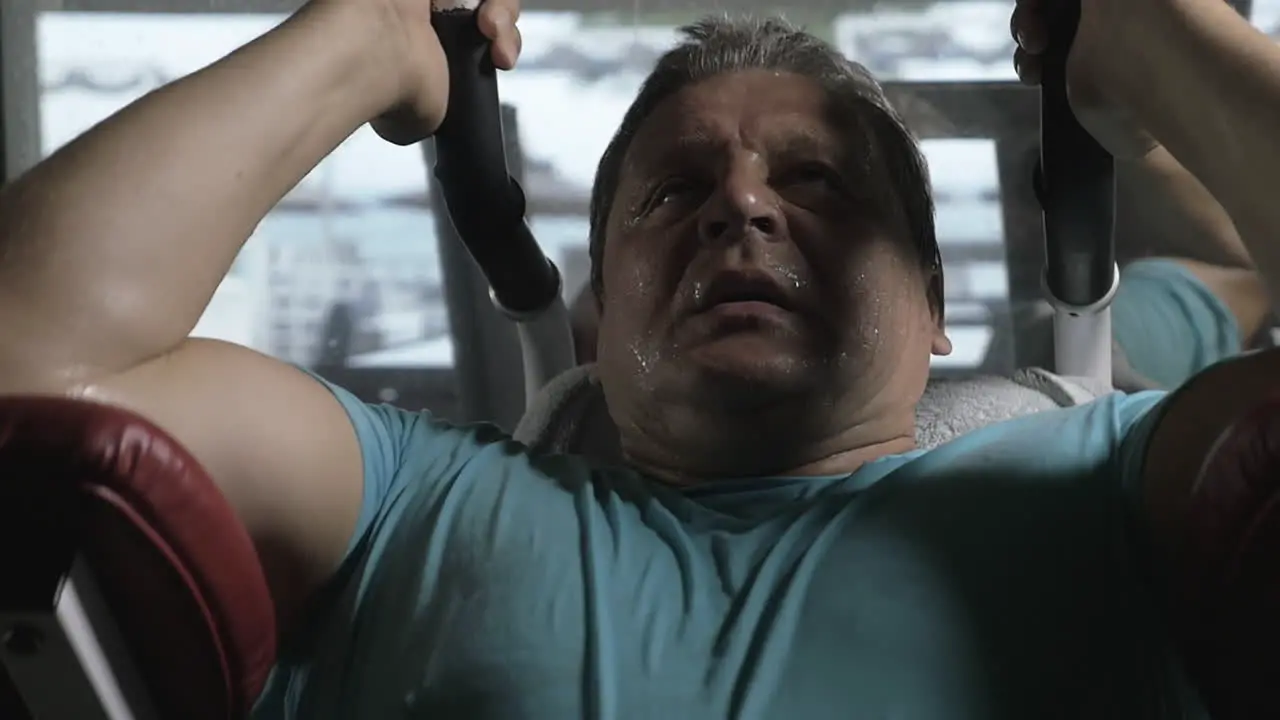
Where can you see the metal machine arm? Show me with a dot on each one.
(1075, 183)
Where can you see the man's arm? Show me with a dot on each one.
(1206, 85)
(111, 248)
(1174, 318)
(1189, 296)
(1193, 419)
(1162, 210)
(1240, 290)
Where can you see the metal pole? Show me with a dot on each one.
(19, 89)
(486, 349)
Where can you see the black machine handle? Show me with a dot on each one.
(1075, 181)
(486, 204)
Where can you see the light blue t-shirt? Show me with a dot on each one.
(1169, 324)
(994, 577)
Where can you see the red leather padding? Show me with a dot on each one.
(1229, 613)
(176, 566)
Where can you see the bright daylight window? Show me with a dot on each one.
(350, 258)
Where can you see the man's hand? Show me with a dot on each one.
(420, 63)
(1104, 24)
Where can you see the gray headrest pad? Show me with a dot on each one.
(570, 414)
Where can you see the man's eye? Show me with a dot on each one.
(672, 190)
(810, 174)
(667, 191)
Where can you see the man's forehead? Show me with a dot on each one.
(779, 112)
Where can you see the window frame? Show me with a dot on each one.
(19, 90)
(968, 110)
(287, 6)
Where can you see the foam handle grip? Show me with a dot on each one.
(1228, 610)
(486, 205)
(471, 133)
(1075, 179)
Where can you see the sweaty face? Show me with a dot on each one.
(750, 257)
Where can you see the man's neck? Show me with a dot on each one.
(755, 454)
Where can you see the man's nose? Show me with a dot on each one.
(743, 205)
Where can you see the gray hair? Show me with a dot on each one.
(718, 45)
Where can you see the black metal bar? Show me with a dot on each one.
(19, 90)
(1075, 183)
(486, 204)
(35, 567)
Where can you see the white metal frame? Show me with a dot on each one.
(67, 658)
(546, 344)
(1082, 334)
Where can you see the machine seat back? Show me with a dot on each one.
(130, 589)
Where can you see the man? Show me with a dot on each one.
(770, 295)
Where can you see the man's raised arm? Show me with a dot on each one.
(1206, 85)
(111, 248)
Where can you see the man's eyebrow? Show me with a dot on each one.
(688, 146)
(848, 154)
(684, 146)
(799, 144)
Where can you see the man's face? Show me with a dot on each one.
(750, 257)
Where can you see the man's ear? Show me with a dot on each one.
(941, 344)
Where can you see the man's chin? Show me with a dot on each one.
(756, 365)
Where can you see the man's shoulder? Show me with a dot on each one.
(1083, 438)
